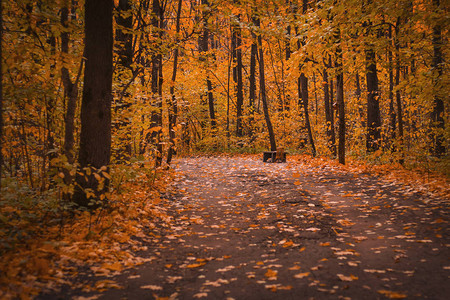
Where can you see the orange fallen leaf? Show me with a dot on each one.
(195, 265)
(271, 274)
(302, 275)
(392, 295)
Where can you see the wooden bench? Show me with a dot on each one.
(274, 156)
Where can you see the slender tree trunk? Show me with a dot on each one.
(70, 89)
(340, 97)
(95, 136)
(262, 86)
(373, 137)
(303, 93)
(204, 48)
(397, 93)
(392, 115)
(173, 107)
(303, 90)
(252, 78)
(156, 116)
(1, 94)
(437, 115)
(124, 51)
(329, 114)
(237, 71)
(124, 19)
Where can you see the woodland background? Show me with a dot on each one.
(366, 80)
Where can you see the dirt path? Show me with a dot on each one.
(249, 230)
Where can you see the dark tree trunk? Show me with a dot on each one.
(1, 94)
(397, 93)
(340, 97)
(173, 107)
(262, 86)
(95, 136)
(373, 106)
(303, 93)
(329, 118)
(124, 51)
(437, 115)
(70, 90)
(124, 19)
(237, 74)
(204, 48)
(252, 76)
(392, 115)
(156, 83)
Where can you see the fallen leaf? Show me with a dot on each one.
(347, 278)
(271, 274)
(152, 287)
(392, 295)
(302, 275)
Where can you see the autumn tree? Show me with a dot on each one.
(437, 115)
(262, 82)
(95, 136)
(203, 49)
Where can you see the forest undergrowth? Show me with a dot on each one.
(43, 243)
(44, 246)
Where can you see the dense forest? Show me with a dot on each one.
(96, 93)
(366, 79)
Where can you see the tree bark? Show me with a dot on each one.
(303, 94)
(373, 137)
(437, 115)
(392, 114)
(70, 89)
(156, 83)
(262, 86)
(252, 76)
(329, 118)
(95, 136)
(237, 72)
(397, 93)
(204, 48)
(173, 107)
(1, 94)
(340, 97)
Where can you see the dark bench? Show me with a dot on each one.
(271, 156)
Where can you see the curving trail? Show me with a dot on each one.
(244, 229)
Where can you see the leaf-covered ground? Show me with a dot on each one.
(244, 229)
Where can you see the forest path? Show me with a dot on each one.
(244, 229)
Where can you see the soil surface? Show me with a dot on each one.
(244, 229)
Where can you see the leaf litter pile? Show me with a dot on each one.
(238, 228)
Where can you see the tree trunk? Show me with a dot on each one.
(124, 19)
(329, 114)
(173, 107)
(392, 115)
(70, 90)
(252, 76)
(156, 83)
(437, 115)
(204, 48)
(373, 106)
(340, 97)
(262, 86)
(124, 51)
(1, 94)
(397, 93)
(95, 136)
(303, 93)
(237, 72)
